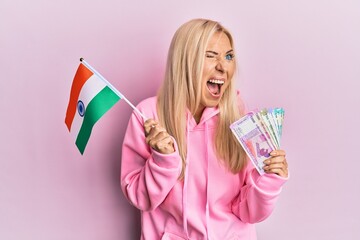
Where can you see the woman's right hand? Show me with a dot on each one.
(158, 138)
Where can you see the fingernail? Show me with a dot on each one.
(273, 153)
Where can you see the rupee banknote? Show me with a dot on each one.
(259, 132)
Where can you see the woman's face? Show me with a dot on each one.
(219, 67)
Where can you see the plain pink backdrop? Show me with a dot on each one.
(301, 55)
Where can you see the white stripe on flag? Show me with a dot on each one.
(90, 89)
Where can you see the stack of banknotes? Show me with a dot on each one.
(259, 133)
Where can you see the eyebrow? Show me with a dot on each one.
(215, 53)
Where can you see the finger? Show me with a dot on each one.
(278, 167)
(275, 165)
(162, 143)
(278, 171)
(286, 163)
(279, 159)
(149, 125)
(157, 134)
(154, 132)
(149, 122)
(165, 145)
(278, 152)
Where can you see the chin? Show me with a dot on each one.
(212, 103)
(209, 100)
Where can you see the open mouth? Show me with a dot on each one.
(214, 86)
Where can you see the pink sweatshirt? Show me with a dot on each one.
(210, 203)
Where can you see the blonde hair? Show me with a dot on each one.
(181, 90)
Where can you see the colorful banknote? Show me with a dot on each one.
(259, 133)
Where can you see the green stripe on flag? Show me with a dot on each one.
(96, 108)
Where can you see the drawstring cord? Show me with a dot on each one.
(207, 179)
(184, 200)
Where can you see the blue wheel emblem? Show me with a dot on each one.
(81, 108)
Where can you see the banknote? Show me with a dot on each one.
(259, 132)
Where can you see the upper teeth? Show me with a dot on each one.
(216, 81)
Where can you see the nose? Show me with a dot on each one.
(220, 66)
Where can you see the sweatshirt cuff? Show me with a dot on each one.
(268, 183)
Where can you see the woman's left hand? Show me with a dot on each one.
(277, 163)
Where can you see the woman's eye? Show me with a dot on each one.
(210, 56)
(229, 56)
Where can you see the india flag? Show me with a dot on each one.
(90, 99)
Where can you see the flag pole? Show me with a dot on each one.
(113, 88)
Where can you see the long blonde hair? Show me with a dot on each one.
(181, 90)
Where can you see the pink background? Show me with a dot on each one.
(301, 55)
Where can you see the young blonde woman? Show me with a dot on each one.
(183, 168)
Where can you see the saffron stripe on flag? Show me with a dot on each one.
(98, 106)
(81, 76)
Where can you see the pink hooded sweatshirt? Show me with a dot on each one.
(209, 203)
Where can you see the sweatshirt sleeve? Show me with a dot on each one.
(258, 195)
(146, 175)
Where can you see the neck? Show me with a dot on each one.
(198, 113)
